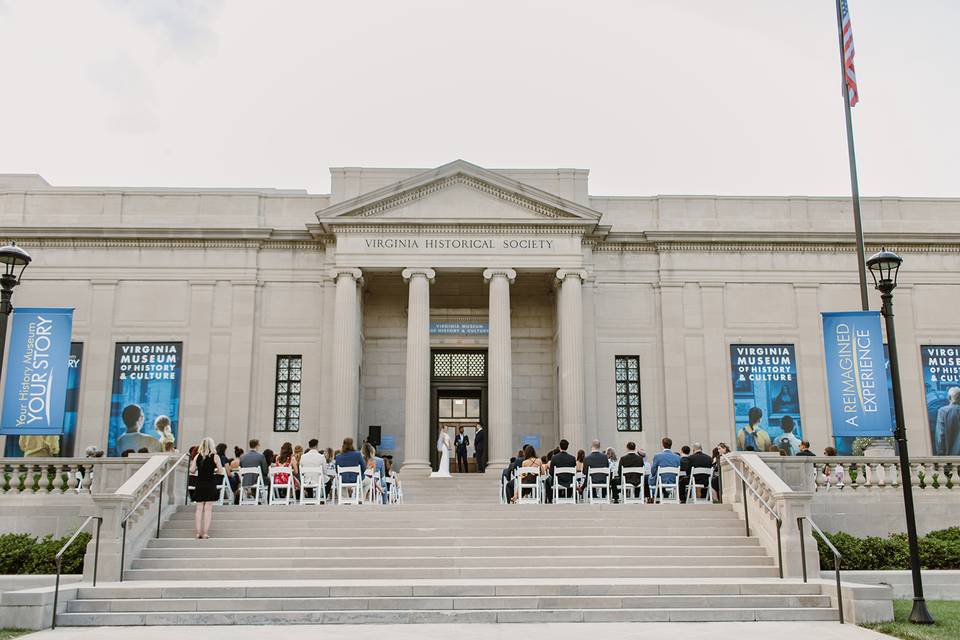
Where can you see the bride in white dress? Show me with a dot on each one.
(443, 446)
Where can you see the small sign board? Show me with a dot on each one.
(444, 328)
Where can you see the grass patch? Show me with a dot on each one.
(8, 634)
(945, 612)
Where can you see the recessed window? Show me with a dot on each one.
(286, 411)
(627, 379)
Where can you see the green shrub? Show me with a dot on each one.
(938, 550)
(21, 553)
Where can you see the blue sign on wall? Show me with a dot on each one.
(388, 442)
(766, 401)
(37, 362)
(145, 406)
(533, 441)
(856, 374)
(459, 328)
(68, 441)
(941, 372)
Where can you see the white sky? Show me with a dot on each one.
(691, 96)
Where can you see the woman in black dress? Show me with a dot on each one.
(205, 466)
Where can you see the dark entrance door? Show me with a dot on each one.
(458, 397)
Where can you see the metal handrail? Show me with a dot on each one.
(123, 521)
(59, 558)
(746, 512)
(837, 557)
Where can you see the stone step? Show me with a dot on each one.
(385, 543)
(239, 572)
(491, 616)
(341, 560)
(472, 509)
(354, 517)
(262, 530)
(209, 549)
(476, 603)
(448, 588)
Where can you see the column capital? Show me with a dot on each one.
(353, 272)
(427, 272)
(510, 274)
(563, 274)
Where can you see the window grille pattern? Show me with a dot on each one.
(286, 413)
(460, 364)
(627, 374)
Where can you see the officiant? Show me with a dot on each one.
(460, 443)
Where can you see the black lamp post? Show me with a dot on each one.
(13, 261)
(884, 267)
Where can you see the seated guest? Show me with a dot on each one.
(718, 452)
(805, 449)
(237, 452)
(506, 479)
(597, 459)
(631, 460)
(666, 458)
(697, 460)
(530, 460)
(313, 459)
(286, 459)
(684, 472)
(562, 460)
(349, 457)
(253, 459)
(370, 453)
(614, 473)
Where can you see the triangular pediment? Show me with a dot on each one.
(456, 192)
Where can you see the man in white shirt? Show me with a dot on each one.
(313, 459)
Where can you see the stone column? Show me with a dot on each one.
(416, 425)
(570, 309)
(346, 356)
(499, 369)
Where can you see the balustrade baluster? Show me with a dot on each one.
(43, 482)
(72, 482)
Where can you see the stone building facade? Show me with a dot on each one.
(386, 287)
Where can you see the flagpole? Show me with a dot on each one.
(854, 186)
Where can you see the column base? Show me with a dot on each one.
(497, 466)
(415, 469)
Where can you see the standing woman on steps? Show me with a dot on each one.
(205, 466)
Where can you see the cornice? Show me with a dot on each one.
(572, 227)
(166, 238)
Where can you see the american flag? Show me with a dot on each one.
(849, 73)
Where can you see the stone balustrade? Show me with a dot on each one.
(859, 474)
(65, 476)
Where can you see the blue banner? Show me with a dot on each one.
(766, 400)
(36, 386)
(941, 373)
(64, 445)
(856, 374)
(145, 406)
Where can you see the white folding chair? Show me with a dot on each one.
(598, 491)
(693, 487)
(254, 492)
(226, 491)
(281, 492)
(313, 483)
(349, 492)
(529, 492)
(630, 494)
(504, 498)
(569, 492)
(371, 487)
(667, 491)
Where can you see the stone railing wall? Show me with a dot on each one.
(862, 495)
(42, 496)
(60, 476)
(785, 502)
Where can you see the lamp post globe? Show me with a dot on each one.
(884, 267)
(13, 261)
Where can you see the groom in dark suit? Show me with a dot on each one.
(480, 448)
(460, 444)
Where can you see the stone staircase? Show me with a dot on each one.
(452, 554)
